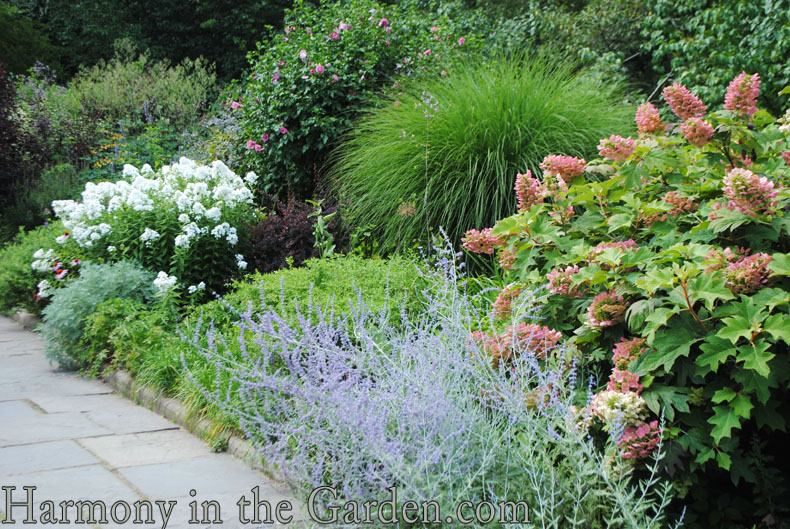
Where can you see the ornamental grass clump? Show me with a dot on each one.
(186, 220)
(362, 405)
(456, 157)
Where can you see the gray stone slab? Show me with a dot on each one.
(209, 475)
(49, 427)
(146, 448)
(29, 382)
(14, 409)
(80, 403)
(43, 456)
(134, 419)
(84, 483)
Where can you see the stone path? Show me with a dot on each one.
(73, 439)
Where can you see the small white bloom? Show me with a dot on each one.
(62, 239)
(164, 282)
(148, 236)
(183, 218)
(182, 241)
(214, 214)
(111, 248)
(251, 178)
(242, 265)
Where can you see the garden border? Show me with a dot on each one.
(172, 409)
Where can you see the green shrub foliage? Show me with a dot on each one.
(66, 316)
(444, 153)
(674, 250)
(704, 43)
(307, 82)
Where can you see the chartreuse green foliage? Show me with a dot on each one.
(308, 82)
(140, 337)
(445, 153)
(699, 251)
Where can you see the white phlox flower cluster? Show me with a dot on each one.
(240, 262)
(43, 260)
(164, 282)
(200, 194)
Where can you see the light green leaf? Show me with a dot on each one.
(724, 394)
(756, 357)
(668, 398)
(724, 420)
(742, 405)
(710, 288)
(780, 264)
(668, 346)
(735, 328)
(723, 460)
(778, 326)
(715, 351)
(621, 220)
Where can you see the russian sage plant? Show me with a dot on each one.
(360, 404)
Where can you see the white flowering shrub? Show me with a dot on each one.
(185, 221)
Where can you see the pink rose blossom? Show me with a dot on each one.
(319, 69)
(434, 29)
(741, 97)
(258, 148)
(335, 78)
(342, 26)
(303, 54)
(250, 144)
(334, 35)
(426, 52)
(683, 103)
(235, 104)
(461, 41)
(384, 22)
(265, 137)
(283, 130)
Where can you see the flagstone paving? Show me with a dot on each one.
(74, 439)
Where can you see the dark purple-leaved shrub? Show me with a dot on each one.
(287, 232)
(360, 404)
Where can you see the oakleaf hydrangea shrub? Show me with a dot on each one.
(308, 81)
(66, 316)
(360, 404)
(668, 263)
(186, 221)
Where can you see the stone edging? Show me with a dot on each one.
(172, 409)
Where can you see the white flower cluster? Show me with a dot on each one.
(616, 408)
(240, 262)
(164, 282)
(43, 260)
(44, 288)
(785, 123)
(194, 288)
(199, 194)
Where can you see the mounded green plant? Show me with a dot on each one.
(66, 316)
(445, 153)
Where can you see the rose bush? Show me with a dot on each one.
(307, 81)
(672, 251)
